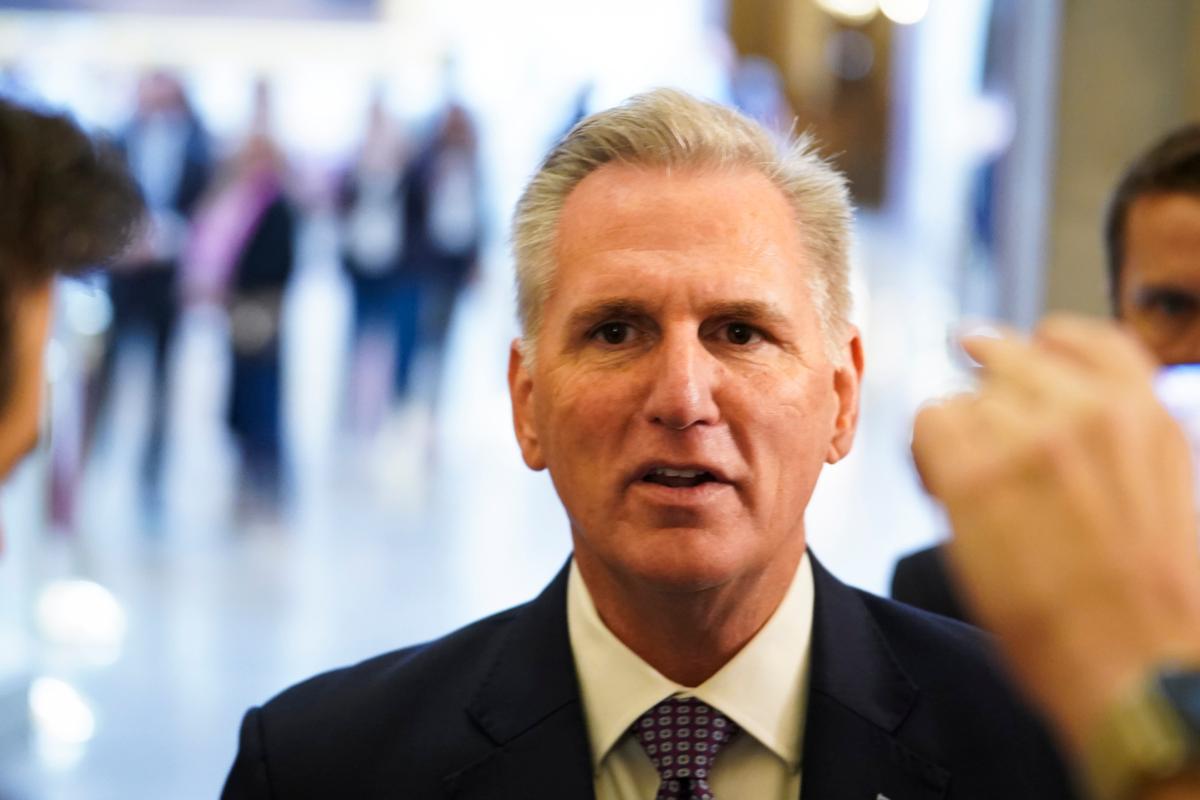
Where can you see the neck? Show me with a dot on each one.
(687, 634)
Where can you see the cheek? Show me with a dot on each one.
(1190, 344)
(19, 420)
(1169, 341)
(580, 414)
(1180, 346)
(25, 426)
(791, 428)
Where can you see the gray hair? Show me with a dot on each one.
(671, 129)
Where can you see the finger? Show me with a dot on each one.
(1100, 346)
(965, 444)
(1018, 367)
(1002, 422)
(973, 328)
(941, 434)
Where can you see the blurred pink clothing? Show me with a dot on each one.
(221, 232)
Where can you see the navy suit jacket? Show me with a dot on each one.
(922, 580)
(902, 705)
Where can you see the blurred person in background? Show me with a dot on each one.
(168, 153)
(1153, 241)
(1152, 238)
(1069, 489)
(686, 368)
(242, 255)
(372, 215)
(444, 232)
(69, 205)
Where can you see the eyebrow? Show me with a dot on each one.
(615, 308)
(1171, 283)
(749, 310)
(624, 308)
(1152, 290)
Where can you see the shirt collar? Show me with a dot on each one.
(763, 688)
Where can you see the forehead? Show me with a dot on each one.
(648, 205)
(1162, 238)
(728, 222)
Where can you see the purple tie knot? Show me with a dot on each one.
(682, 736)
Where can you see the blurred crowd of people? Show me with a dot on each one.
(221, 231)
(412, 226)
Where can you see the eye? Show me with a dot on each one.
(613, 333)
(1171, 303)
(740, 333)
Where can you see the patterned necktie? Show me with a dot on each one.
(682, 736)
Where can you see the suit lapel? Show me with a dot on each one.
(529, 707)
(858, 698)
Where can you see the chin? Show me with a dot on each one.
(685, 559)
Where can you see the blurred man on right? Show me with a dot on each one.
(1152, 238)
(1069, 489)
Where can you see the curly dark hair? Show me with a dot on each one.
(69, 205)
(1171, 166)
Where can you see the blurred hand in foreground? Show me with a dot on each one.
(1069, 490)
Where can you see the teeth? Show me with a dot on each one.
(677, 473)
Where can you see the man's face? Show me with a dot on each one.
(681, 394)
(1160, 276)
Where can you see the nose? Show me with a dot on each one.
(683, 383)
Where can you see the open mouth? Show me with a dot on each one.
(678, 478)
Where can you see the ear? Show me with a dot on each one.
(520, 391)
(847, 379)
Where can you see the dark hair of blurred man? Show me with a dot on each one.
(1152, 237)
(1153, 240)
(68, 204)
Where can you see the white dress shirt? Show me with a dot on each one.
(763, 689)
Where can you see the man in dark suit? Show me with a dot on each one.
(1152, 238)
(685, 370)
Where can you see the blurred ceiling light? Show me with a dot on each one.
(79, 613)
(60, 713)
(852, 11)
(904, 12)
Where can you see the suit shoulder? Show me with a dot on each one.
(920, 560)
(919, 576)
(924, 640)
(439, 666)
(355, 730)
(921, 579)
